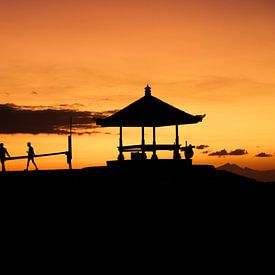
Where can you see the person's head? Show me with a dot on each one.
(29, 144)
(1, 144)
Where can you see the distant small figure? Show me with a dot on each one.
(3, 154)
(31, 156)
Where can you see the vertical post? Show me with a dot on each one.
(142, 136)
(69, 153)
(142, 142)
(120, 156)
(177, 135)
(154, 156)
(177, 146)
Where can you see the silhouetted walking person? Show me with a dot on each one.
(3, 154)
(31, 156)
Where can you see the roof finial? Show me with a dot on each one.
(148, 90)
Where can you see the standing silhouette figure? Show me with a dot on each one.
(31, 156)
(3, 154)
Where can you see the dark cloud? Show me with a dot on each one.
(104, 114)
(206, 152)
(263, 155)
(16, 119)
(201, 147)
(219, 153)
(237, 152)
(71, 107)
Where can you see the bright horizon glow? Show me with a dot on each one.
(204, 57)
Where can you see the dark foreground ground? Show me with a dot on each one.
(133, 215)
(194, 180)
(136, 197)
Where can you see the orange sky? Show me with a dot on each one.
(213, 57)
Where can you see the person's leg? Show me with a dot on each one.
(3, 165)
(28, 162)
(34, 164)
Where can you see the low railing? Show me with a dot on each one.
(149, 147)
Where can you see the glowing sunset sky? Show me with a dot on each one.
(204, 57)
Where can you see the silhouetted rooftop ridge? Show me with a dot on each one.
(148, 111)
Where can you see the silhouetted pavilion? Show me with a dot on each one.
(148, 111)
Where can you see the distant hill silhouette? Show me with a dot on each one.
(264, 176)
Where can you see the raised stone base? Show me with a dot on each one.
(160, 163)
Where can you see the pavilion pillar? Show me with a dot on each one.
(120, 148)
(143, 143)
(177, 146)
(154, 156)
